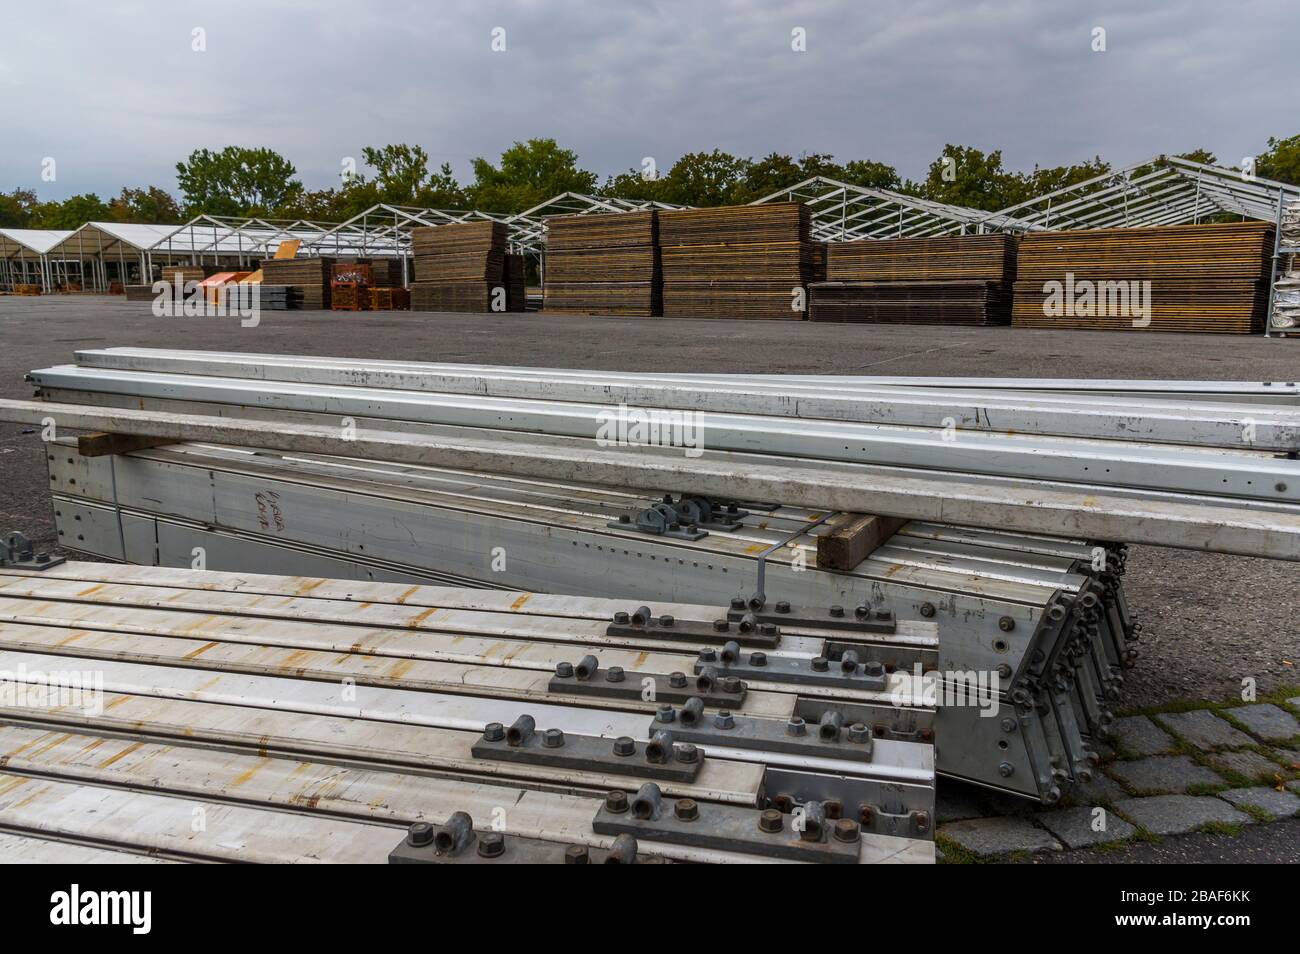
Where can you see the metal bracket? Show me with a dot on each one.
(847, 673)
(829, 739)
(863, 619)
(587, 679)
(659, 758)
(17, 552)
(767, 833)
(452, 844)
(660, 519)
(639, 624)
(884, 808)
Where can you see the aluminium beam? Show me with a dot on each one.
(1223, 528)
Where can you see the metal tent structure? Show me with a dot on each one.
(1164, 190)
(24, 257)
(844, 212)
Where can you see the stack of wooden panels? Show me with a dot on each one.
(309, 276)
(140, 293)
(387, 272)
(1200, 278)
(605, 264)
(749, 261)
(458, 266)
(957, 279)
(944, 303)
(516, 293)
(186, 273)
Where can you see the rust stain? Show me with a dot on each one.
(308, 586)
(755, 548)
(406, 595)
(400, 668)
(641, 657)
(116, 701)
(133, 747)
(202, 649)
(93, 589)
(418, 618)
(523, 598)
(243, 777)
(72, 637)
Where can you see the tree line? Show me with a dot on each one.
(241, 181)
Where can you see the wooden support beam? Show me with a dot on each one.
(852, 539)
(102, 444)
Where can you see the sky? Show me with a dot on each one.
(117, 92)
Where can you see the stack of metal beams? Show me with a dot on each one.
(308, 277)
(1202, 278)
(604, 264)
(362, 722)
(459, 267)
(749, 261)
(1069, 471)
(959, 279)
(516, 286)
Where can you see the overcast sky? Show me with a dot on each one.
(114, 92)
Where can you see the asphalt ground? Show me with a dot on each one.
(1210, 620)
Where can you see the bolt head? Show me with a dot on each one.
(737, 603)
(623, 618)
(724, 720)
(862, 611)
(845, 830)
(721, 625)
(1006, 769)
(686, 809)
(492, 844)
(708, 655)
(875, 668)
(837, 611)
(494, 732)
(1006, 624)
(677, 679)
(782, 606)
(767, 629)
(419, 834)
(858, 732)
(821, 664)
(666, 714)
(731, 685)
(577, 855)
(770, 820)
(614, 674)
(796, 726)
(616, 802)
(666, 620)
(624, 746)
(687, 753)
(553, 738)
(564, 670)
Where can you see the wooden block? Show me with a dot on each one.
(853, 538)
(101, 445)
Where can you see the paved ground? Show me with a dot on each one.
(1210, 621)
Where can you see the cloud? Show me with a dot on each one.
(117, 94)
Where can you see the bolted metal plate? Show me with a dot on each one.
(692, 631)
(769, 735)
(485, 849)
(794, 671)
(634, 686)
(783, 614)
(591, 753)
(728, 828)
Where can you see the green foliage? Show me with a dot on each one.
(71, 213)
(17, 208)
(237, 181)
(529, 173)
(151, 205)
(1282, 160)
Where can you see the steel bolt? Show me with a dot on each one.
(767, 629)
(875, 668)
(922, 820)
(492, 844)
(624, 746)
(861, 611)
(845, 830)
(821, 664)
(721, 625)
(666, 620)
(419, 834)
(616, 802)
(564, 670)
(677, 680)
(758, 659)
(737, 603)
(796, 726)
(770, 821)
(858, 732)
(731, 685)
(666, 714)
(724, 720)
(1006, 769)
(927, 610)
(623, 618)
(837, 611)
(782, 606)
(1008, 724)
(1006, 624)
(708, 655)
(883, 615)
(553, 738)
(614, 674)
(494, 732)
(1004, 671)
(687, 753)
(686, 809)
(577, 855)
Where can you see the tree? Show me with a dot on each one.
(529, 174)
(964, 175)
(152, 205)
(707, 178)
(237, 181)
(1281, 161)
(72, 213)
(17, 208)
